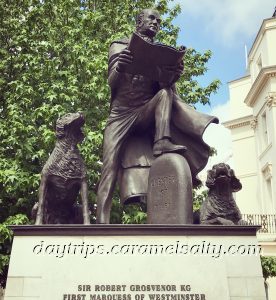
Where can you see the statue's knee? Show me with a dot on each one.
(165, 93)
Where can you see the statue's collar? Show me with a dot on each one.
(145, 37)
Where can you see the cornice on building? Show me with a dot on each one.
(266, 25)
(271, 100)
(241, 79)
(247, 175)
(241, 122)
(263, 76)
(267, 170)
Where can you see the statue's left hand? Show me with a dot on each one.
(177, 70)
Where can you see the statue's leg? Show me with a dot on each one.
(160, 107)
(84, 198)
(163, 114)
(114, 137)
(42, 201)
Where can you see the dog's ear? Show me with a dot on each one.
(235, 182)
(210, 182)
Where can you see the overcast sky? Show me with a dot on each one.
(224, 27)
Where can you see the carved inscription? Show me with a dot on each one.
(163, 181)
(169, 197)
(134, 292)
(162, 186)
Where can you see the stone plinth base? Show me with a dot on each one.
(169, 199)
(145, 262)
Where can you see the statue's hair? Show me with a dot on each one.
(139, 18)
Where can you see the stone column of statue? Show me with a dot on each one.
(141, 104)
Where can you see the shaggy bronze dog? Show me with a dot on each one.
(220, 206)
(63, 177)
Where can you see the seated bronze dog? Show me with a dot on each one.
(64, 176)
(220, 206)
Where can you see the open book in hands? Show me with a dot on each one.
(153, 60)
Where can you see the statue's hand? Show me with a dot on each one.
(125, 58)
(176, 71)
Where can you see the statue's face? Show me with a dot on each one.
(150, 24)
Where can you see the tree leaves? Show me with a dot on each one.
(53, 60)
(188, 87)
(5, 244)
(268, 266)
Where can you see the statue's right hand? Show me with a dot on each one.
(125, 58)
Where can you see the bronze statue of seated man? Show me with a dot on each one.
(140, 104)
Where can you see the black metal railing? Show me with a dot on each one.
(267, 222)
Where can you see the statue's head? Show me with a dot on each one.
(148, 22)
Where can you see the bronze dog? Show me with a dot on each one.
(220, 206)
(64, 176)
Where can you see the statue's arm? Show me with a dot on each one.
(119, 58)
(114, 76)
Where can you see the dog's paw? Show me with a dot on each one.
(225, 221)
(242, 222)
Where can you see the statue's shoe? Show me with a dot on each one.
(165, 146)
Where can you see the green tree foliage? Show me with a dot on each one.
(5, 243)
(199, 196)
(268, 266)
(53, 60)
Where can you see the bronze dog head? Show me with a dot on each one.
(70, 126)
(223, 172)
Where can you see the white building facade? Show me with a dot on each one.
(253, 130)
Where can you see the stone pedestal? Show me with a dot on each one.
(132, 262)
(1, 294)
(169, 197)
